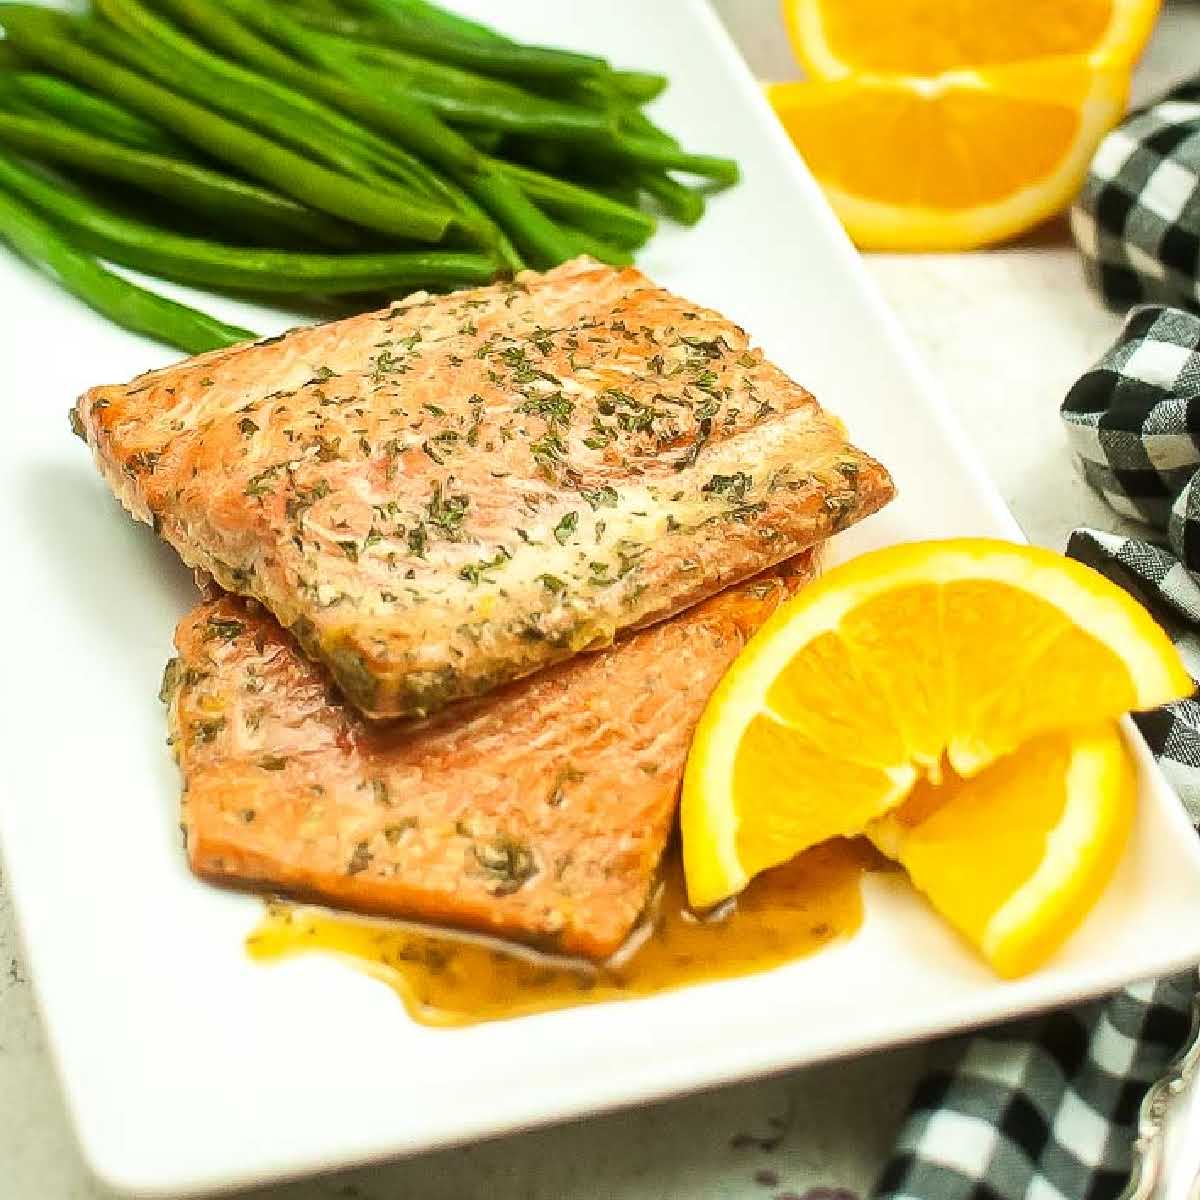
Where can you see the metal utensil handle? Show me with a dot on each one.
(1146, 1167)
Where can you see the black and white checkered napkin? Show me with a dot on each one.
(1137, 220)
(1047, 1109)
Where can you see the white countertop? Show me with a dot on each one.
(1005, 332)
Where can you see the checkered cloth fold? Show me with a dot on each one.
(1046, 1109)
(1137, 220)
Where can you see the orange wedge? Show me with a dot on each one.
(1016, 857)
(833, 38)
(957, 161)
(906, 664)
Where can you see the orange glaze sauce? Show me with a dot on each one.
(447, 978)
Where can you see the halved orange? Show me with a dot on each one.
(1016, 856)
(833, 38)
(957, 161)
(907, 663)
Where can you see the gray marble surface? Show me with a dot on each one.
(1005, 332)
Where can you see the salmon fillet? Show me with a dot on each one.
(457, 491)
(539, 814)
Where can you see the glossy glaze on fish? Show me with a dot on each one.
(457, 491)
(539, 813)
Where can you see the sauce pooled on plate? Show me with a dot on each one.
(446, 978)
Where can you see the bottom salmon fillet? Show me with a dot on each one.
(539, 814)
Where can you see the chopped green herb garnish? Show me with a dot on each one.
(601, 497)
(396, 831)
(359, 860)
(447, 512)
(206, 731)
(732, 487)
(418, 540)
(555, 407)
(507, 862)
(558, 792)
(566, 527)
(547, 449)
(263, 483)
(475, 572)
(225, 628)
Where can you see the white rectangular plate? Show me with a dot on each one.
(186, 1066)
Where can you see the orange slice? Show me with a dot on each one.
(904, 664)
(957, 161)
(1015, 857)
(833, 38)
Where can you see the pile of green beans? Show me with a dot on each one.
(313, 149)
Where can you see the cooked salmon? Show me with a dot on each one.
(539, 814)
(457, 491)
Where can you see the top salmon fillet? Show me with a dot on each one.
(456, 491)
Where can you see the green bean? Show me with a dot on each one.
(121, 301)
(615, 131)
(636, 121)
(8, 87)
(551, 158)
(464, 98)
(598, 248)
(12, 102)
(252, 209)
(242, 43)
(10, 60)
(230, 97)
(206, 263)
(419, 11)
(91, 113)
(487, 140)
(238, 46)
(582, 207)
(529, 114)
(508, 59)
(286, 50)
(639, 86)
(390, 112)
(385, 157)
(680, 202)
(238, 43)
(461, 97)
(643, 141)
(650, 152)
(258, 156)
(595, 92)
(640, 126)
(240, 93)
(329, 7)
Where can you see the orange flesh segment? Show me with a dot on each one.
(947, 826)
(1016, 857)
(927, 37)
(961, 149)
(804, 796)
